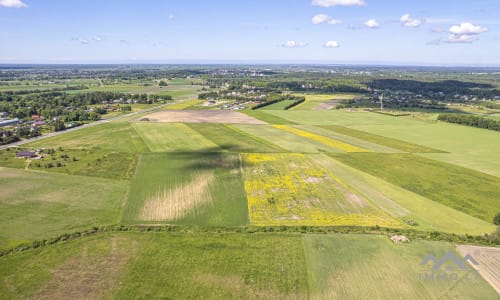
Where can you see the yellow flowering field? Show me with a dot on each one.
(322, 139)
(290, 189)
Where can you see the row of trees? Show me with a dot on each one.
(71, 107)
(471, 120)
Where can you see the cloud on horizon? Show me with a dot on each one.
(332, 44)
(293, 44)
(330, 3)
(13, 3)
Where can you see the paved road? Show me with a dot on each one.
(48, 135)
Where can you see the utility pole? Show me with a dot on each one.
(381, 98)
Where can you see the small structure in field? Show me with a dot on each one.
(26, 154)
(396, 239)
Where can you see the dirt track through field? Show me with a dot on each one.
(201, 116)
(488, 259)
(174, 203)
(327, 105)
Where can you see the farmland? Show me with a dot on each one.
(471, 192)
(184, 188)
(32, 209)
(290, 189)
(214, 266)
(188, 200)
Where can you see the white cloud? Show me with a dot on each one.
(330, 3)
(435, 42)
(321, 18)
(13, 3)
(372, 23)
(465, 33)
(467, 28)
(293, 44)
(171, 17)
(83, 41)
(332, 44)
(461, 38)
(97, 38)
(407, 21)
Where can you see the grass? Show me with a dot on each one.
(85, 162)
(381, 140)
(465, 190)
(286, 140)
(177, 137)
(187, 104)
(371, 267)
(290, 189)
(31, 208)
(167, 266)
(113, 136)
(187, 188)
(400, 203)
(335, 144)
(473, 148)
(313, 100)
(359, 142)
(268, 118)
(232, 139)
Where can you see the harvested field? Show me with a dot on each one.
(202, 116)
(488, 259)
(171, 204)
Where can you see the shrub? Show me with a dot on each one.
(496, 219)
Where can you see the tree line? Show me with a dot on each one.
(471, 120)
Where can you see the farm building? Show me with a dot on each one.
(26, 154)
(9, 122)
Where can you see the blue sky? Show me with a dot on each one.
(437, 32)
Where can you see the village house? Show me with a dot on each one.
(26, 154)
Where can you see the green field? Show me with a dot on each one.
(31, 208)
(465, 190)
(368, 267)
(85, 162)
(176, 137)
(187, 188)
(184, 105)
(469, 147)
(403, 204)
(114, 136)
(286, 140)
(268, 118)
(238, 195)
(313, 100)
(230, 138)
(230, 266)
(381, 140)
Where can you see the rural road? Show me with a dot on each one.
(48, 135)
